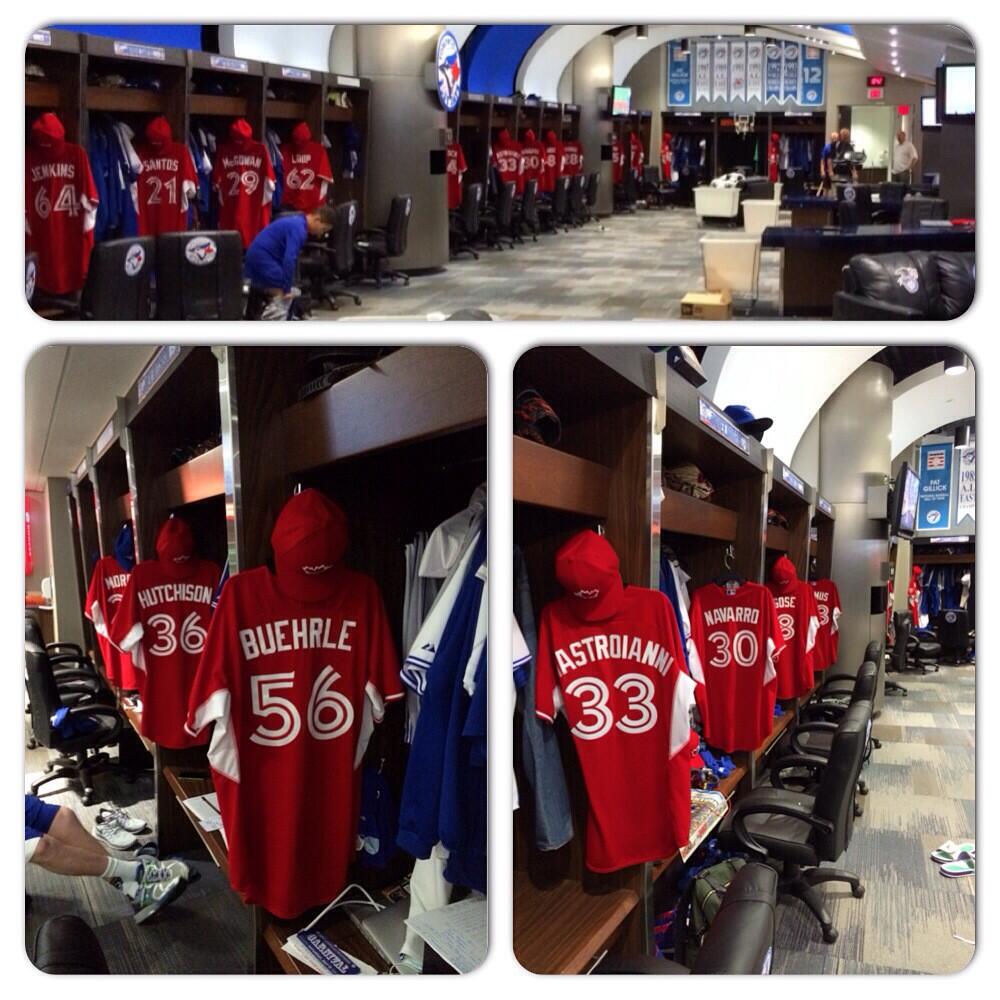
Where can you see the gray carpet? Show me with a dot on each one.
(206, 930)
(923, 788)
(626, 267)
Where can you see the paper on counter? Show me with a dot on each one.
(457, 932)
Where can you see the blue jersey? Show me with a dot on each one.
(273, 254)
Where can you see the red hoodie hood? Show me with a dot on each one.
(175, 547)
(240, 131)
(916, 572)
(783, 573)
(530, 136)
(551, 138)
(503, 139)
(587, 569)
(47, 132)
(309, 541)
(158, 132)
(301, 134)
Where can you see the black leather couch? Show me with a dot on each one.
(918, 284)
(66, 945)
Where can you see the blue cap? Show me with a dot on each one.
(743, 417)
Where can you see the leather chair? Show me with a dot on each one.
(463, 225)
(954, 634)
(890, 200)
(525, 214)
(76, 676)
(839, 685)
(79, 756)
(377, 246)
(916, 284)
(66, 946)
(326, 266)
(799, 831)
(553, 214)
(498, 219)
(576, 211)
(916, 650)
(757, 189)
(199, 275)
(120, 280)
(917, 208)
(740, 941)
(590, 202)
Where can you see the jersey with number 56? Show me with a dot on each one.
(627, 702)
(293, 689)
(736, 632)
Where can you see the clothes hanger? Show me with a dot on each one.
(729, 575)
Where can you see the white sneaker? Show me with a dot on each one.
(179, 868)
(153, 887)
(112, 832)
(127, 822)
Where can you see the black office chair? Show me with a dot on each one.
(916, 650)
(326, 266)
(76, 676)
(890, 200)
(577, 192)
(67, 946)
(80, 756)
(199, 275)
(854, 204)
(552, 215)
(627, 193)
(917, 209)
(954, 634)
(799, 831)
(120, 280)
(525, 215)
(740, 941)
(377, 246)
(590, 202)
(463, 225)
(498, 219)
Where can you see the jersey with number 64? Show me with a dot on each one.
(627, 703)
(162, 622)
(293, 689)
(736, 632)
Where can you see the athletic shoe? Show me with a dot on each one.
(152, 889)
(179, 868)
(124, 820)
(111, 832)
(950, 851)
(956, 869)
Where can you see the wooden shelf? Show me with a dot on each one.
(686, 515)
(218, 104)
(198, 479)
(185, 785)
(943, 559)
(547, 477)
(41, 93)
(285, 109)
(134, 719)
(778, 539)
(560, 930)
(781, 723)
(333, 113)
(120, 99)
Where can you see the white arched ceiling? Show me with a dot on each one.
(461, 32)
(928, 400)
(305, 45)
(787, 383)
(543, 64)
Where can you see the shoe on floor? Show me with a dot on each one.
(112, 833)
(180, 868)
(127, 822)
(950, 851)
(154, 887)
(956, 869)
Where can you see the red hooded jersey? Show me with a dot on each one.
(637, 155)
(666, 156)
(243, 179)
(60, 207)
(736, 632)
(828, 637)
(167, 181)
(456, 168)
(307, 171)
(573, 151)
(617, 160)
(507, 159)
(798, 618)
(532, 160)
(555, 162)
(104, 597)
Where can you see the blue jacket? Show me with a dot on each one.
(271, 258)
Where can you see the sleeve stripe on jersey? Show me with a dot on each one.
(680, 715)
(542, 715)
(97, 617)
(772, 653)
(415, 678)
(131, 637)
(223, 754)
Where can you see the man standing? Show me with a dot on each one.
(826, 164)
(904, 156)
(842, 150)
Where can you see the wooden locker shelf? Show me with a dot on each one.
(337, 926)
(120, 99)
(218, 104)
(547, 477)
(778, 539)
(686, 515)
(187, 784)
(285, 109)
(198, 479)
(334, 113)
(781, 723)
(41, 94)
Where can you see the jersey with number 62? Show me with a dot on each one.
(737, 635)
(162, 622)
(627, 703)
(307, 175)
(293, 689)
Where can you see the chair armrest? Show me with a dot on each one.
(71, 646)
(774, 802)
(54, 661)
(75, 675)
(823, 711)
(811, 761)
(925, 634)
(810, 727)
(848, 306)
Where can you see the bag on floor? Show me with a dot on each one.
(703, 899)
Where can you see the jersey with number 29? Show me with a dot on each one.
(293, 689)
(244, 182)
(628, 704)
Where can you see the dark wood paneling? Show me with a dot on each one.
(196, 480)
(686, 515)
(551, 478)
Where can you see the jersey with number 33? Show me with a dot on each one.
(293, 689)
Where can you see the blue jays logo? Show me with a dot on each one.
(201, 251)
(134, 260)
(30, 277)
(449, 71)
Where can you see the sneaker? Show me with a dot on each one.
(153, 888)
(179, 868)
(112, 833)
(124, 820)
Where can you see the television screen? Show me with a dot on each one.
(928, 113)
(905, 499)
(621, 100)
(959, 91)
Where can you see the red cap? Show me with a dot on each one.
(504, 136)
(158, 132)
(775, 137)
(783, 572)
(175, 547)
(587, 569)
(551, 138)
(301, 134)
(309, 541)
(47, 131)
(240, 130)
(916, 571)
(530, 136)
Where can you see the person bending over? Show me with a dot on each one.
(274, 253)
(54, 839)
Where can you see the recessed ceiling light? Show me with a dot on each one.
(955, 362)
(893, 31)
(903, 73)
(893, 43)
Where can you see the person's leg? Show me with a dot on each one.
(64, 859)
(66, 828)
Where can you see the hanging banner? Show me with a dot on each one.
(772, 73)
(966, 505)
(679, 76)
(790, 76)
(720, 71)
(934, 509)
(812, 77)
(755, 71)
(738, 71)
(703, 71)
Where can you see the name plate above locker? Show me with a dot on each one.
(793, 480)
(81, 469)
(130, 50)
(105, 437)
(294, 73)
(824, 505)
(348, 81)
(230, 64)
(723, 426)
(155, 369)
(40, 37)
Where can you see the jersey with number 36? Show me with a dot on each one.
(162, 622)
(627, 703)
(737, 635)
(293, 689)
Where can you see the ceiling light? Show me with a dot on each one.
(903, 73)
(642, 31)
(963, 436)
(893, 31)
(955, 362)
(893, 43)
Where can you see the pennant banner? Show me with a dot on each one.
(790, 78)
(679, 76)
(772, 73)
(966, 506)
(703, 72)
(934, 510)
(812, 95)
(738, 71)
(755, 71)
(720, 71)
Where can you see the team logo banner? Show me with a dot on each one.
(449, 71)
(772, 73)
(679, 76)
(790, 86)
(934, 508)
(812, 77)
(966, 507)
(738, 71)
(755, 71)
(703, 71)
(720, 71)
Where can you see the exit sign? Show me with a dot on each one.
(876, 81)
(876, 93)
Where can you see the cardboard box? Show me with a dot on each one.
(707, 305)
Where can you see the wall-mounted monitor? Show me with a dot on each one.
(905, 497)
(621, 101)
(959, 92)
(929, 113)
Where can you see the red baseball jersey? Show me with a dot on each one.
(507, 160)
(307, 175)
(574, 157)
(167, 183)
(532, 162)
(638, 156)
(736, 632)
(456, 168)
(555, 166)
(61, 210)
(162, 622)
(104, 597)
(828, 637)
(293, 689)
(628, 705)
(617, 160)
(244, 181)
(666, 158)
(798, 619)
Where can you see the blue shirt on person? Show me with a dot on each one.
(272, 256)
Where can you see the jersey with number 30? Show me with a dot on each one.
(162, 622)
(243, 179)
(737, 635)
(627, 703)
(293, 689)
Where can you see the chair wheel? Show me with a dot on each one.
(87, 798)
(857, 891)
(830, 934)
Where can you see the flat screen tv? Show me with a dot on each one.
(928, 113)
(621, 101)
(905, 497)
(959, 92)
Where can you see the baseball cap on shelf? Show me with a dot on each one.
(587, 569)
(535, 419)
(743, 417)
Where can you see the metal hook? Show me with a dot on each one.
(298, 488)
(730, 557)
(600, 529)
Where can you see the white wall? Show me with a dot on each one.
(305, 45)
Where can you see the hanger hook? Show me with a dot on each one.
(730, 557)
